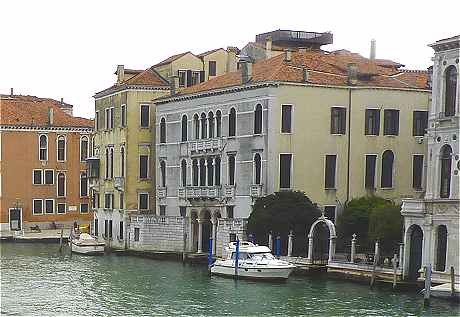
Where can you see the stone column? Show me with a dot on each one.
(191, 172)
(331, 249)
(190, 234)
(199, 172)
(200, 235)
(206, 172)
(270, 241)
(214, 171)
(291, 236)
(353, 248)
(214, 235)
(401, 255)
(310, 249)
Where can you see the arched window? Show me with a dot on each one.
(93, 146)
(218, 124)
(217, 171)
(451, 91)
(61, 185)
(204, 126)
(163, 130)
(83, 148)
(210, 172)
(211, 124)
(196, 126)
(387, 169)
(184, 128)
(441, 248)
(231, 170)
(183, 167)
(195, 173)
(122, 161)
(258, 119)
(446, 164)
(257, 168)
(61, 148)
(43, 148)
(232, 122)
(107, 163)
(202, 173)
(111, 162)
(163, 173)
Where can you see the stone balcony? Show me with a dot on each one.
(229, 191)
(256, 190)
(196, 192)
(205, 145)
(420, 207)
(161, 192)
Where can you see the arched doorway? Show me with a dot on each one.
(320, 244)
(321, 228)
(206, 230)
(415, 251)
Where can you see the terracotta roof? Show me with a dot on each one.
(323, 69)
(171, 59)
(210, 52)
(31, 111)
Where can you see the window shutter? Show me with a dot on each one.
(202, 76)
(377, 122)
(396, 122)
(189, 78)
(343, 120)
(332, 121)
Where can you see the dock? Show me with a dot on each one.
(43, 236)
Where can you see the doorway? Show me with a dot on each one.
(15, 215)
(415, 253)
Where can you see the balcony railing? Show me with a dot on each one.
(205, 145)
(210, 192)
(229, 191)
(256, 190)
(161, 192)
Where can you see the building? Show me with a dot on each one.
(42, 164)
(432, 224)
(335, 125)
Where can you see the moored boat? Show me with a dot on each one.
(86, 244)
(254, 262)
(445, 291)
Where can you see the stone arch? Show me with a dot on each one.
(414, 251)
(332, 237)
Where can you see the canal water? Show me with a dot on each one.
(36, 280)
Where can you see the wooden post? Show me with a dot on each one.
(394, 270)
(376, 259)
(60, 241)
(452, 281)
(426, 299)
(184, 254)
(71, 234)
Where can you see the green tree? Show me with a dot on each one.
(281, 212)
(385, 225)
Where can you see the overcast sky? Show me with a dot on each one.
(71, 49)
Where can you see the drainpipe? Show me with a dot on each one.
(348, 145)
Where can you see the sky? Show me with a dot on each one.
(70, 49)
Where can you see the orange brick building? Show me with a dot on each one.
(42, 164)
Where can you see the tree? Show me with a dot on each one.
(281, 212)
(385, 225)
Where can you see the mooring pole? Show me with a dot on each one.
(237, 255)
(394, 270)
(376, 259)
(210, 254)
(60, 241)
(426, 300)
(278, 246)
(71, 234)
(184, 249)
(452, 281)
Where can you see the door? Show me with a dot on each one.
(15, 219)
(415, 258)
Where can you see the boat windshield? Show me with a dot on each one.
(261, 256)
(242, 256)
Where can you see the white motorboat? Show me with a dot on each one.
(86, 244)
(254, 262)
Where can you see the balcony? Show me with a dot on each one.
(420, 207)
(119, 183)
(229, 191)
(161, 192)
(208, 192)
(256, 190)
(205, 145)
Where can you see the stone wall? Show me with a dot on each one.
(227, 227)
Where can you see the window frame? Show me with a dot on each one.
(147, 174)
(57, 208)
(367, 130)
(450, 91)
(421, 188)
(45, 211)
(375, 179)
(414, 126)
(231, 181)
(44, 177)
(122, 161)
(339, 129)
(139, 200)
(291, 174)
(141, 106)
(254, 169)
(235, 124)
(33, 206)
(123, 115)
(82, 138)
(392, 171)
(41, 176)
(162, 130)
(57, 184)
(214, 63)
(256, 120)
(394, 128)
(87, 208)
(59, 138)
(80, 182)
(326, 185)
(40, 147)
(184, 130)
(291, 123)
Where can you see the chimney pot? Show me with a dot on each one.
(62, 101)
(352, 74)
(287, 55)
(120, 73)
(373, 49)
(11, 92)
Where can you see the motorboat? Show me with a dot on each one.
(445, 291)
(254, 262)
(84, 243)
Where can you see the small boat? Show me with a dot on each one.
(445, 291)
(86, 244)
(254, 262)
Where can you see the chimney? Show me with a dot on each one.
(62, 101)
(173, 84)
(246, 69)
(305, 75)
(372, 55)
(11, 92)
(287, 55)
(268, 47)
(120, 73)
(352, 74)
(231, 58)
(50, 116)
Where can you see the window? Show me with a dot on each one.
(106, 228)
(369, 182)
(49, 206)
(202, 173)
(49, 177)
(37, 206)
(231, 170)
(230, 212)
(122, 161)
(108, 200)
(211, 124)
(95, 200)
(60, 184)
(107, 163)
(93, 146)
(372, 122)
(451, 91)
(61, 148)
(112, 117)
(111, 162)
(391, 122)
(338, 120)
(107, 118)
(121, 231)
(285, 171)
(83, 185)
(420, 123)
(162, 210)
(143, 166)
(96, 227)
(162, 173)
(387, 169)
(195, 78)
(182, 211)
(329, 173)
(84, 208)
(37, 177)
(123, 115)
(258, 119)
(61, 208)
(136, 234)
(163, 130)
(212, 68)
(97, 121)
(210, 172)
(43, 148)
(183, 167)
(204, 126)
(195, 173)
(417, 171)
(446, 165)
(83, 148)
(145, 116)
(329, 212)
(184, 128)
(110, 228)
(196, 126)
(257, 168)
(181, 75)
(143, 201)
(232, 122)
(286, 117)
(121, 200)
(217, 171)
(441, 248)
(218, 124)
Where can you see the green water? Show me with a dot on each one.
(36, 280)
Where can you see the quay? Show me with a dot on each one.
(31, 236)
